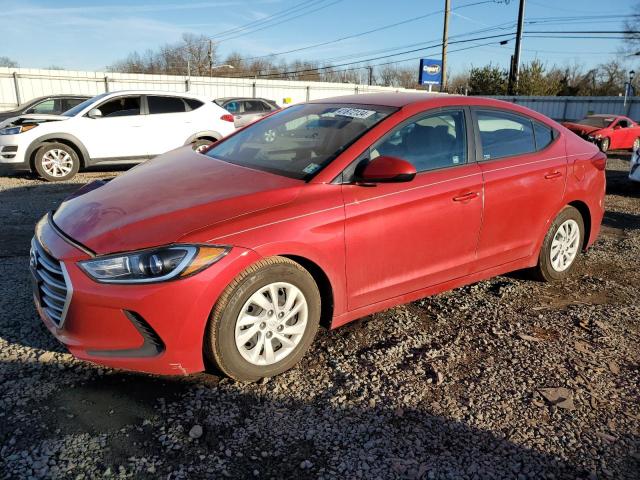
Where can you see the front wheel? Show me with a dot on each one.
(264, 321)
(561, 246)
(604, 145)
(636, 145)
(56, 162)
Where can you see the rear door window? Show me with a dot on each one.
(69, 103)
(233, 107)
(253, 106)
(193, 103)
(159, 104)
(48, 106)
(504, 134)
(121, 107)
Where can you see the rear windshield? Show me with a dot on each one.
(301, 140)
(601, 122)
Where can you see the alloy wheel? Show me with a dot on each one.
(57, 163)
(565, 245)
(271, 323)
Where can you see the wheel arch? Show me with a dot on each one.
(205, 134)
(324, 286)
(64, 138)
(584, 211)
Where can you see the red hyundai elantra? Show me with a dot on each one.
(323, 212)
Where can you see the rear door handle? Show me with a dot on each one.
(466, 196)
(551, 175)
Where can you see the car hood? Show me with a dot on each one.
(581, 129)
(31, 118)
(159, 202)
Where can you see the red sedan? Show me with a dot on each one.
(610, 132)
(321, 213)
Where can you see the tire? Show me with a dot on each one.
(548, 269)
(200, 144)
(636, 145)
(604, 144)
(227, 344)
(56, 162)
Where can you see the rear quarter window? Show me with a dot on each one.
(544, 135)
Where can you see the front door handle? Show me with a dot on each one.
(551, 175)
(466, 196)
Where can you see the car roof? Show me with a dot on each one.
(58, 95)
(386, 99)
(157, 92)
(227, 99)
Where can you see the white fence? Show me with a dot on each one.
(575, 108)
(18, 85)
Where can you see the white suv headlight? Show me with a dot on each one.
(18, 129)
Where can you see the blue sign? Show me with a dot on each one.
(430, 72)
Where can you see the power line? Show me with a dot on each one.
(281, 21)
(280, 13)
(533, 34)
(356, 35)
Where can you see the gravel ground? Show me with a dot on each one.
(507, 378)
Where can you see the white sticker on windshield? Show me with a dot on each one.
(354, 112)
(312, 167)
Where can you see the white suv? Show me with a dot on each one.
(119, 127)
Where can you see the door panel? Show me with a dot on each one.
(521, 195)
(406, 236)
(118, 134)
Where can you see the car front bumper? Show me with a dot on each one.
(156, 328)
(12, 152)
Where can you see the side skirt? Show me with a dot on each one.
(432, 290)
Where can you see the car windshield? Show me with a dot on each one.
(301, 140)
(72, 112)
(600, 122)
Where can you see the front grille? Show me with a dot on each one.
(53, 287)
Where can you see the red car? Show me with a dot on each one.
(323, 212)
(610, 132)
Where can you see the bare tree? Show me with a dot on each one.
(7, 62)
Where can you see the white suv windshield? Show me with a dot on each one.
(72, 112)
(299, 141)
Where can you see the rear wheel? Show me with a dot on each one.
(264, 321)
(201, 145)
(604, 144)
(561, 246)
(56, 162)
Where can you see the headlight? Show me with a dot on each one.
(153, 265)
(17, 130)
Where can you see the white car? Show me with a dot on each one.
(119, 127)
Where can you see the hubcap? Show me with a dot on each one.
(271, 323)
(565, 245)
(57, 163)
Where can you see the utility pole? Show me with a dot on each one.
(445, 39)
(370, 75)
(515, 69)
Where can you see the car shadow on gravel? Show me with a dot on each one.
(135, 412)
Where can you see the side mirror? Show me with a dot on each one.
(386, 169)
(617, 127)
(94, 113)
